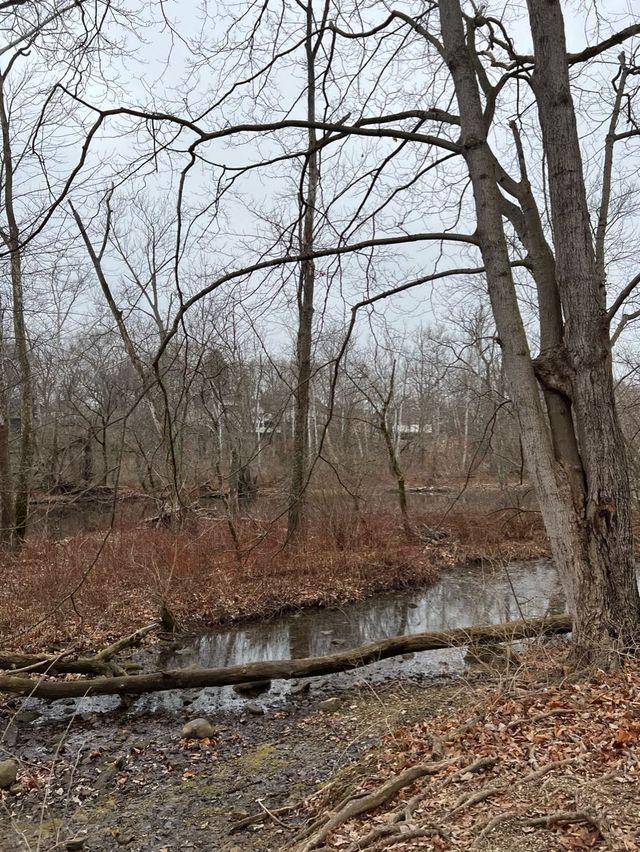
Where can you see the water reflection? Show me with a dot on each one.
(462, 598)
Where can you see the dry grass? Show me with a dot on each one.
(197, 572)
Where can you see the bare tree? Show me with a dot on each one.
(32, 187)
(403, 210)
(307, 281)
(378, 385)
(576, 458)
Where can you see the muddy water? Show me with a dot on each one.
(462, 598)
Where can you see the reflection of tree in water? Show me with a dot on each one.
(462, 598)
(301, 632)
(557, 603)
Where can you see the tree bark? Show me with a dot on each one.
(607, 604)
(306, 288)
(22, 483)
(6, 486)
(563, 519)
(528, 226)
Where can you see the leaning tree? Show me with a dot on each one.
(571, 435)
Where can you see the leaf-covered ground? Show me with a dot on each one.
(532, 761)
(544, 762)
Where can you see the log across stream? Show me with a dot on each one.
(462, 598)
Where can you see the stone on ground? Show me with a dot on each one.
(198, 729)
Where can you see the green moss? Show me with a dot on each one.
(262, 759)
(204, 788)
(45, 829)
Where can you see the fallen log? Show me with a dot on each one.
(191, 678)
(63, 663)
(60, 664)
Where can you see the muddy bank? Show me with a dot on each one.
(131, 782)
(461, 598)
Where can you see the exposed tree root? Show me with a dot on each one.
(488, 826)
(363, 804)
(466, 800)
(548, 767)
(561, 818)
(399, 825)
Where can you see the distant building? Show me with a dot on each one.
(408, 429)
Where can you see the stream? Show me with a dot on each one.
(463, 597)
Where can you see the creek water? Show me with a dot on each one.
(463, 597)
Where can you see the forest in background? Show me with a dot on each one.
(318, 425)
(249, 295)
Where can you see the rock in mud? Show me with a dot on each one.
(24, 717)
(301, 688)
(74, 844)
(8, 773)
(330, 705)
(253, 688)
(254, 709)
(198, 729)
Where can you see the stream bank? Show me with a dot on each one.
(462, 598)
(119, 774)
(131, 781)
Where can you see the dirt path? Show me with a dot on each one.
(134, 783)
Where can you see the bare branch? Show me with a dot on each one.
(39, 26)
(297, 258)
(622, 297)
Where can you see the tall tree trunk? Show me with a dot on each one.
(25, 463)
(6, 485)
(12, 241)
(570, 540)
(607, 593)
(306, 287)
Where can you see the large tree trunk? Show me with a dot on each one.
(12, 241)
(6, 487)
(6, 492)
(607, 592)
(583, 544)
(25, 463)
(528, 226)
(306, 287)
